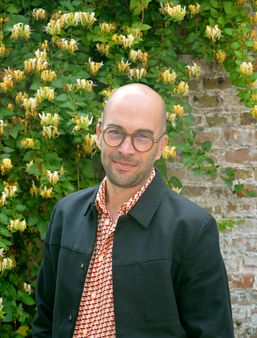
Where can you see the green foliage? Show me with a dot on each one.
(60, 61)
(224, 224)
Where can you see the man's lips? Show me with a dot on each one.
(124, 165)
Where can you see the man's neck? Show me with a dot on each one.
(116, 197)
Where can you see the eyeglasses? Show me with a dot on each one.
(142, 142)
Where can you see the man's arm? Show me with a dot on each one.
(204, 299)
(45, 291)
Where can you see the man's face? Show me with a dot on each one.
(125, 167)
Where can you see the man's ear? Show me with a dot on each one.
(98, 136)
(162, 144)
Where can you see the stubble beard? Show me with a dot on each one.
(124, 179)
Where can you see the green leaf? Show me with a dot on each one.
(62, 97)
(214, 13)
(250, 193)
(133, 4)
(206, 146)
(197, 171)
(33, 219)
(186, 157)
(191, 37)
(234, 45)
(28, 156)
(4, 219)
(5, 232)
(10, 9)
(25, 298)
(58, 83)
(20, 207)
(215, 3)
(176, 182)
(238, 187)
(230, 172)
(108, 79)
(229, 31)
(228, 7)
(42, 227)
(229, 182)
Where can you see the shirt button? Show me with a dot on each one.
(70, 318)
(82, 266)
(93, 294)
(85, 331)
(106, 222)
(100, 258)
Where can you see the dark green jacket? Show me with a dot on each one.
(169, 278)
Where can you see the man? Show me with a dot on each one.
(132, 258)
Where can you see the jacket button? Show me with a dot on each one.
(82, 266)
(70, 318)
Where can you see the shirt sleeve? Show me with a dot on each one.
(204, 299)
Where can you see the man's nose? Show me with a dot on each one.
(126, 148)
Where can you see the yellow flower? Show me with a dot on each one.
(48, 75)
(27, 288)
(246, 68)
(213, 32)
(30, 105)
(20, 98)
(6, 264)
(182, 88)
(177, 13)
(39, 14)
(176, 190)
(82, 122)
(49, 119)
(94, 66)
(103, 48)
(254, 97)
(123, 67)
(53, 27)
(178, 110)
(69, 45)
(45, 93)
(136, 73)
(128, 41)
(20, 31)
(68, 88)
(194, 9)
(108, 92)
(3, 50)
(221, 56)
(171, 117)
(28, 143)
(168, 77)
(34, 191)
(50, 131)
(117, 39)
(47, 193)
(169, 151)
(6, 165)
(254, 19)
(194, 70)
(17, 225)
(254, 112)
(52, 178)
(84, 84)
(106, 27)
(2, 125)
(90, 144)
(255, 46)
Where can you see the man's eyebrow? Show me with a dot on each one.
(145, 130)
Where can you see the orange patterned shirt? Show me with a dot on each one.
(96, 312)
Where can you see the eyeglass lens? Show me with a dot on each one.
(141, 141)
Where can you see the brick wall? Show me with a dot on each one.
(221, 119)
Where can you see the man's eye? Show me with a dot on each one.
(114, 132)
(143, 137)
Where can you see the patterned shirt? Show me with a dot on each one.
(96, 312)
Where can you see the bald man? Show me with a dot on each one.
(132, 258)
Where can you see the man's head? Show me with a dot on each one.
(133, 108)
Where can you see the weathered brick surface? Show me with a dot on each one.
(220, 118)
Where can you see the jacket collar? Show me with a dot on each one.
(145, 208)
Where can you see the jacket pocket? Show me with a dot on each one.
(156, 293)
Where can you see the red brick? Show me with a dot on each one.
(241, 281)
(204, 136)
(254, 311)
(231, 206)
(241, 155)
(230, 134)
(250, 188)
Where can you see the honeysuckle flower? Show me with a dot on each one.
(194, 70)
(168, 77)
(254, 112)
(28, 165)
(194, 9)
(52, 178)
(50, 131)
(34, 191)
(47, 192)
(48, 75)
(39, 14)
(49, 119)
(68, 88)
(182, 88)
(10, 190)
(17, 225)
(178, 110)
(68, 45)
(94, 66)
(106, 27)
(123, 67)
(68, 19)
(44, 46)
(28, 143)
(53, 27)
(37, 64)
(30, 105)
(171, 117)
(134, 54)
(254, 19)
(89, 145)
(108, 92)
(169, 152)
(246, 68)
(27, 288)
(20, 98)
(85, 84)
(45, 93)
(3, 50)
(3, 199)
(82, 122)
(177, 190)
(41, 54)
(6, 165)
(6, 264)
(103, 48)
(137, 32)
(117, 39)
(221, 56)
(2, 254)
(136, 73)
(213, 32)
(20, 31)
(177, 13)
(128, 41)
(2, 125)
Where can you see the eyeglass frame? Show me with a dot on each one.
(132, 136)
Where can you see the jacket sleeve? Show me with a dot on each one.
(203, 296)
(45, 291)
